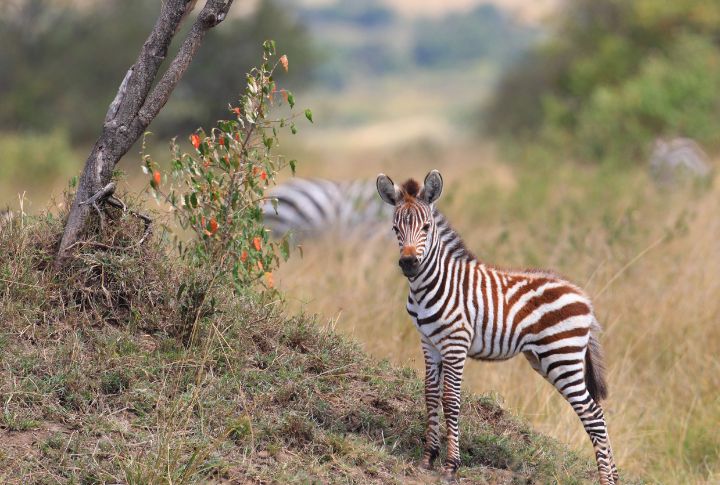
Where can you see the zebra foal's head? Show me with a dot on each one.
(413, 221)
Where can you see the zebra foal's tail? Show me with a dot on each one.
(595, 365)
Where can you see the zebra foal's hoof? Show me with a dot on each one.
(428, 458)
(449, 475)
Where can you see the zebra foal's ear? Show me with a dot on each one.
(432, 187)
(389, 192)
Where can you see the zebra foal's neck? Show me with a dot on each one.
(446, 251)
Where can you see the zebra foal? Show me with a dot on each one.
(465, 308)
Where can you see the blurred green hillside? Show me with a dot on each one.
(362, 40)
(615, 75)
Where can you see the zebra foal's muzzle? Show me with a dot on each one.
(409, 265)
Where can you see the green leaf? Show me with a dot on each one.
(285, 249)
(291, 99)
(193, 200)
(308, 115)
(293, 128)
(292, 166)
(226, 126)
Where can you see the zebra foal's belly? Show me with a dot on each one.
(484, 342)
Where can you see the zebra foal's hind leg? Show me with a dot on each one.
(433, 393)
(567, 374)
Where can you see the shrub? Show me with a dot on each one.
(671, 95)
(216, 191)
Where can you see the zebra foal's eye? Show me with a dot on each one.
(426, 227)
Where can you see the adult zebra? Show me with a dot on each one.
(311, 207)
(465, 308)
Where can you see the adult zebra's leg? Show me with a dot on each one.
(567, 374)
(433, 392)
(453, 364)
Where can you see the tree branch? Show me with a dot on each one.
(151, 57)
(214, 12)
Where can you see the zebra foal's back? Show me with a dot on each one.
(528, 311)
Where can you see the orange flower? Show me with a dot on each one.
(213, 226)
(260, 265)
(284, 62)
(221, 141)
(257, 243)
(156, 178)
(263, 175)
(269, 279)
(195, 140)
(254, 171)
(206, 163)
(243, 256)
(236, 111)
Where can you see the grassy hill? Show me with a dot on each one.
(104, 380)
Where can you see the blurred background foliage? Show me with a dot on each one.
(615, 75)
(32, 159)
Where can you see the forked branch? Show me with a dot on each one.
(136, 105)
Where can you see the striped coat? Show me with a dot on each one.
(465, 308)
(311, 207)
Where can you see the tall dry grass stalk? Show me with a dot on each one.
(650, 260)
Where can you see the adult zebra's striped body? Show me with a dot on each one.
(464, 308)
(310, 207)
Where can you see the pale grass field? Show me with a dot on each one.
(650, 260)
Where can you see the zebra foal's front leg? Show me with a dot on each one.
(433, 392)
(453, 364)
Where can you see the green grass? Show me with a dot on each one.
(98, 384)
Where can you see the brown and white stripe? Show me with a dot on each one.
(465, 308)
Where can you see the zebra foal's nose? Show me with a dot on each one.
(408, 262)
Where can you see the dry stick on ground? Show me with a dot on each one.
(137, 103)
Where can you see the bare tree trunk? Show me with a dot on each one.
(137, 103)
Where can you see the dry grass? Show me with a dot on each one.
(650, 260)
